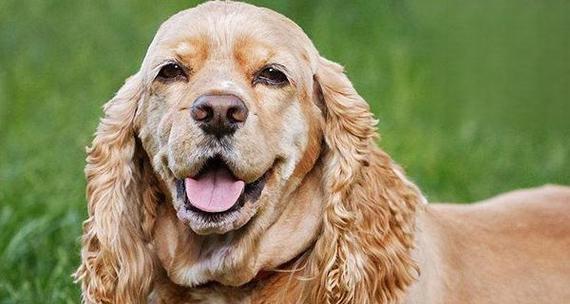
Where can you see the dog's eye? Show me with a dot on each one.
(171, 71)
(271, 76)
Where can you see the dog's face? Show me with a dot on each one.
(229, 120)
(229, 114)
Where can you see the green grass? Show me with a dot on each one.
(472, 96)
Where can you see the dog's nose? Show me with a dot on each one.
(219, 115)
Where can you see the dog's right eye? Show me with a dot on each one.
(172, 71)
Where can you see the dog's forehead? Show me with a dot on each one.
(218, 26)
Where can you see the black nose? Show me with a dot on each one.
(219, 115)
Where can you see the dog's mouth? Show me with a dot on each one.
(215, 192)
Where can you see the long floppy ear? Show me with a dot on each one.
(116, 265)
(364, 230)
(350, 127)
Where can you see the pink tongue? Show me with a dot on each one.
(215, 191)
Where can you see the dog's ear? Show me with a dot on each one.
(350, 127)
(116, 264)
(349, 133)
(362, 254)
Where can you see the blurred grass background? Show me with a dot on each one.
(472, 96)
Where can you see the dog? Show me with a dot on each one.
(240, 166)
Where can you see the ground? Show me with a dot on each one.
(472, 98)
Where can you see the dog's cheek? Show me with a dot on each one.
(294, 138)
(152, 119)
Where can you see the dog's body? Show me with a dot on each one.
(240, 166)
(513, 248)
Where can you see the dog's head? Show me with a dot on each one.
(227, 116)
(219, 155)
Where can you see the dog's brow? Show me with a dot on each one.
(190, 49)
(184, 48)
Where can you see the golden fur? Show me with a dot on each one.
(337, 221)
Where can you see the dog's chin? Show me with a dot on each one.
(207, 222)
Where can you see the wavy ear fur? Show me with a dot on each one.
(116, 265)
(362, 255)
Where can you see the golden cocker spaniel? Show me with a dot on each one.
(239, 166)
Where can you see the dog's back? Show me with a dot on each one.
(513, 248)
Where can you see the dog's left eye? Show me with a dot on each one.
(171, 71)
(271, 76)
